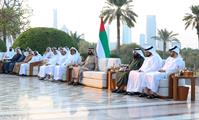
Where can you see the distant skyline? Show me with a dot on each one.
(83, 16)
(151, 30)
(126, 35)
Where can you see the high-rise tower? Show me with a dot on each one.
(151, 30)
(126, 35)
(55, 18)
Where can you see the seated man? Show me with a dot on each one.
(90, 64)
(47, 54)
(21, 59)
(60, 67)
(23, 67)
(45, 71)
(172, 64)
(8, 65)
(122, 76)
(151, 63)
(28, 57)
(8, 55)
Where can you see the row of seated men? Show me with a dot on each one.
(55, 67)
(141, 78)
(143, 75)
(12, 61)
(54, 63)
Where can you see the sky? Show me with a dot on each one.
(83, 16)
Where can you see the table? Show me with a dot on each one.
(175, 86)
(69, 74)
(110, 81)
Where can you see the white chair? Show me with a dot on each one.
(164, 85)
(98, 79)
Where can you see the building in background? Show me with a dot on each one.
(55, 18)
(151, 30)
(112, 45)
(126, 35)
(142, 40)
(64, 28)
(168, 45)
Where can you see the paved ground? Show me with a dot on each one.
(27, 98)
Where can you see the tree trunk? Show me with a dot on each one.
(4, 33)
(118, 34)
(198, 40)
(197, 28)
(164, 48)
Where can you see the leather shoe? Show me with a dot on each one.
(120, 91)
(114, 91)
(70, 83)
(126, 93)
(75, 84)
(143, 95)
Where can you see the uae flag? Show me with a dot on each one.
(102, 45)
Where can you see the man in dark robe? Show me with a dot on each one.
(11, 65)
(15, 58)
(122, 76)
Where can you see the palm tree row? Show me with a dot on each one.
(193, 19)
(121, 10)
(165, 36)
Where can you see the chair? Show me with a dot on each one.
(67, 75)
(98, 79)
(1, 63)
(166, 86)
(33, 68)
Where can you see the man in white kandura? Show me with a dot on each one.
(46, 70)
(172, 64)
(61, 65)
(9, 54)
(75, 60)
(23, 67)
(47, 54)
(152, 62)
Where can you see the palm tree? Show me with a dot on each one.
(165, 36)
(193, 18)
(121, 10)
(74, 36)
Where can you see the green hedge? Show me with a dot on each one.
(39, 38)
(2, 46)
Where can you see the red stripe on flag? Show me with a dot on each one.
(102, 25)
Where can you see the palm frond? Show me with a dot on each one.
(119, 3)
(188, 17)
(195, 9)
(127, 21)
(175, 39)
(156, 37)
(105, 19)
(188, 23)
(122, 8)
(194, 24)
(165, 35)
(192, 18)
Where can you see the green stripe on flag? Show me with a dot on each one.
(104, 42)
